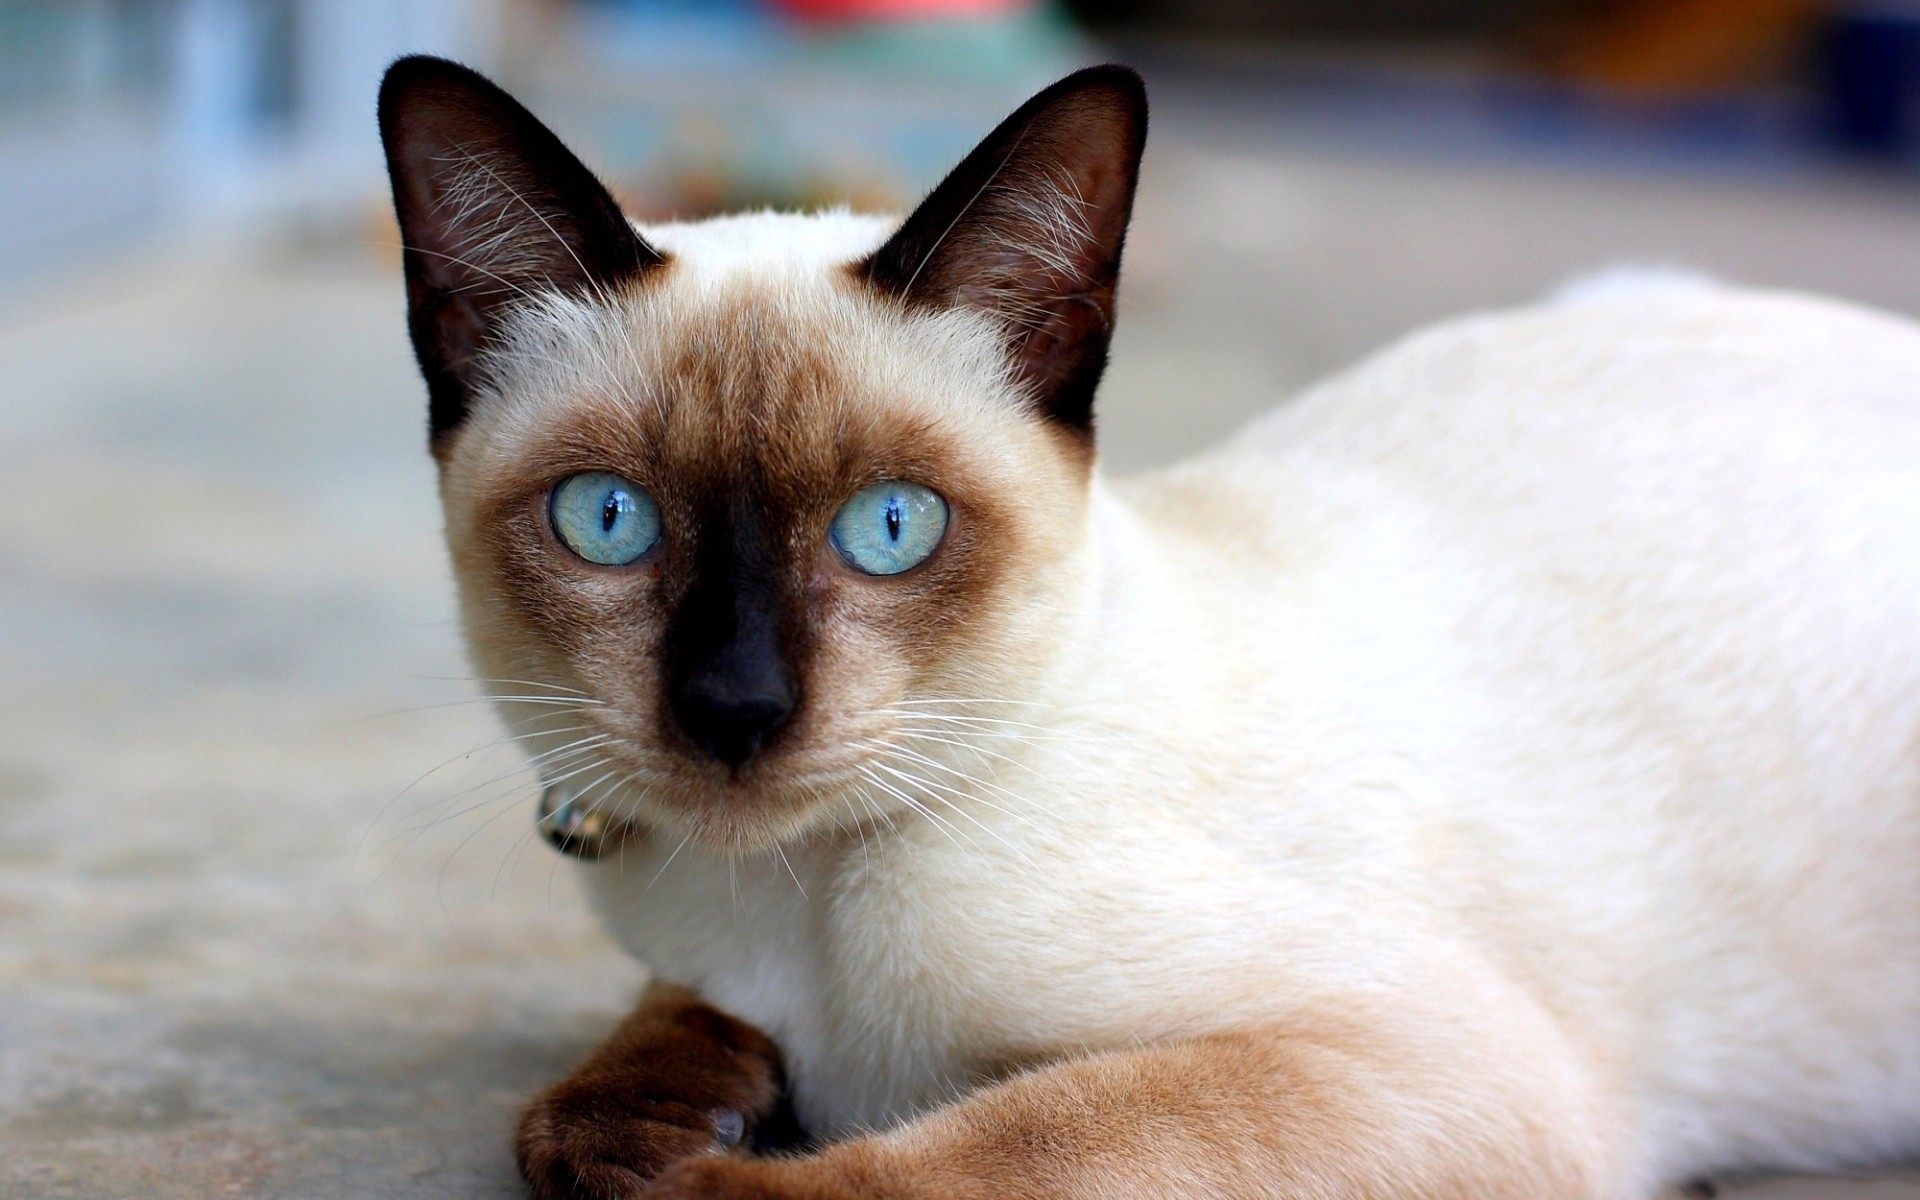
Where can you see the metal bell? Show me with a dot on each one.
(572, 827)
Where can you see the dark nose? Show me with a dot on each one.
(731, 681)
(731, 709)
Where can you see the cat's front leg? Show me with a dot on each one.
(678, 1079)
(1262, 1115)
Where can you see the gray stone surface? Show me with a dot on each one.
(253, 941)
(234, 957)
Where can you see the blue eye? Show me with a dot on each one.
(889, 527)
(604, 518)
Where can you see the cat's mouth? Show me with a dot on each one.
(844, 787)
(627, 791)
(589, 827)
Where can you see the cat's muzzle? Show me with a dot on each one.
(572, 826)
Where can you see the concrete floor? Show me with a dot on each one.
(253, 941)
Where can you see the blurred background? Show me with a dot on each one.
(272, 920)
(1324, 174)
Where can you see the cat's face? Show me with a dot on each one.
(748, 411)
(773, 520)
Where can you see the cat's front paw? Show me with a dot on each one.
(605, 1138)
(696, 1084)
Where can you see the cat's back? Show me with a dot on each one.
(1678, 387)
(1676, 491)
(1679, 438)
(1593, 564)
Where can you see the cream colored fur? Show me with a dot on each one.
(1540, 697)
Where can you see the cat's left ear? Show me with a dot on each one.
(1029, 228)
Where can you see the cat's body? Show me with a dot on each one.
(1494, 774)
(1555, 665)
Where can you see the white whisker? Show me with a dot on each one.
(934, 791)
(965, 777)
(663, 866)
(915, 805)
(790, 871)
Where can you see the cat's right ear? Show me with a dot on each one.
(493, 209)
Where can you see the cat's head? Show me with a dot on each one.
(773, 521)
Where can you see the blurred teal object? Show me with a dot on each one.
(1022, 44)
(1001, 42)
(697, 106)
(681, 34)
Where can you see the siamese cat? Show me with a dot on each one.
(1494, 774)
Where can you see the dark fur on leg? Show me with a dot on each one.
(678, 1079)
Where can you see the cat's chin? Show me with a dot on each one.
(738, 817)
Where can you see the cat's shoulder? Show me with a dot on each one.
(1677, 391)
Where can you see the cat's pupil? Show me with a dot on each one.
(610, 512)
(893, 518)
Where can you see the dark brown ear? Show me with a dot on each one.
(1029, 228)
(493, 209)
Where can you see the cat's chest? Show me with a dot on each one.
(770, 941)
(892, 977)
